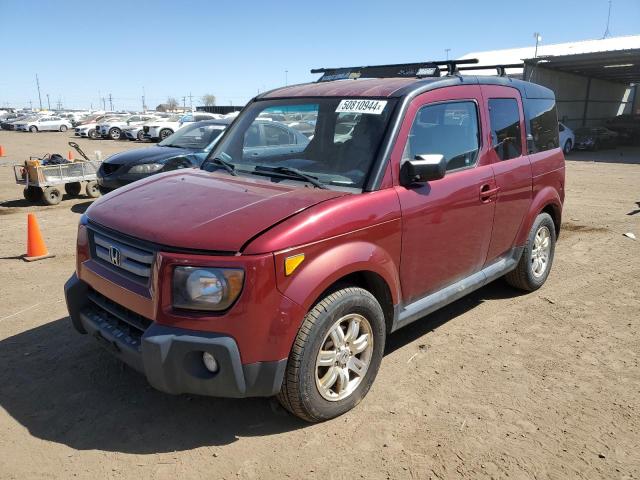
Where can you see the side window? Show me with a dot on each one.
(560, 127)
(450, 129)
(506, 137)
(543, 124)
(276, 136)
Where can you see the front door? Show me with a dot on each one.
(446, 223)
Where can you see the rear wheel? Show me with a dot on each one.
(140, 136)
(567, 147)
(115, 133)
(534, 266)
(73, 189)
(164, 133)
(32, 194)
(33, 129)
(92, 134)
(92, 189)
(51, 195)
(335, 356)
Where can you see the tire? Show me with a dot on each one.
(63, 128)
(32, 194)
(140, 136)
(302, 393)
(51, 195)
(567, 147)
(92, 189)
(33, 129)
(528, 275)
(92, 134)
(73, 189)
(115, 133)
(164, 133)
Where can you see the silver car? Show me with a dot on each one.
(51, 123)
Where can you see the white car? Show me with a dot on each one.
(89, 129)
(567, 138)
(41, 124)
(113, 129)
(162, 129)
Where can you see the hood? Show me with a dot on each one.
(155, 154)
(200, 210)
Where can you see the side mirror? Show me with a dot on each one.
(423, 168)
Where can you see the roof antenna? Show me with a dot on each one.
(607, 33)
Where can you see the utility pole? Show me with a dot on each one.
(184, 103)
(144, 106)
(111, 102)
(48, 102)
(191, 101)
(30, 104)
(104, 104)
(39, 96)
(446, 51)
(607, 33)
(538, 38)
(59, 103)
(286, 78)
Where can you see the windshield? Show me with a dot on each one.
(195, 136)
(336, 143)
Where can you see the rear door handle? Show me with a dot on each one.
(486, 192)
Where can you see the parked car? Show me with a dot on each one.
(89, 128)
(595, 138)
(627, 127)
(41, 124)
(161, 129)
(283, 273)
(567, 138)
(10, 123)
(134, 132)
(113, 128)
(186, 148)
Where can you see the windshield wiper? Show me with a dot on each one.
(228, 166)
(292, 172)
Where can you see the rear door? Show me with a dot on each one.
(510, 163)
(446, 223)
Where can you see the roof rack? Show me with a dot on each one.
(397, 70)
(502, 69)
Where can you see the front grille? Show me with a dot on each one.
(132, 261)
(109, 168)
(124, 324)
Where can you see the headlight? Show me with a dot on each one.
(146, 168)
(196, 288)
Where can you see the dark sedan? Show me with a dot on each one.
(186, 148)
(594, 138)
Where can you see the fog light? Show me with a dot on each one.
(210, 362)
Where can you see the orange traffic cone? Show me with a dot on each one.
(2, 151)
(69, 155)
(36, 249)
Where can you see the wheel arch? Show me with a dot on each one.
(547, 200)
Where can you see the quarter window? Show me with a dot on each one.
(506, 138)
(449, 129)
(543, 124)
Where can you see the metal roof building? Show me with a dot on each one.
(594, 80)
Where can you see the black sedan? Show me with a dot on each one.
(594, 138)
(186, 148)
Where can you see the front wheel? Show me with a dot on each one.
(535, 264)
(164, 133)
(115, 133)
(567, 147)
(140, 136)
(92, 189)
(32, 194)
(335, 356)
(92, 134)
(51, 195)
(33, 129)
(63, 128)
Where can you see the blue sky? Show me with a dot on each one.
(82, 50)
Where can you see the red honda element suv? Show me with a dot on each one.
(281, 266)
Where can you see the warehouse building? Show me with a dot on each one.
(594, 80)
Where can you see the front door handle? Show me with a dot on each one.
(487, 192)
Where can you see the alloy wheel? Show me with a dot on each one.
(541, 251)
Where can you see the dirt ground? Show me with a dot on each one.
(497, 385)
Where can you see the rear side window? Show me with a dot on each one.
(506, 137)
(449, 129)
(543, 124)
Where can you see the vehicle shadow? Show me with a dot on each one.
(63, 388)
(81, 207)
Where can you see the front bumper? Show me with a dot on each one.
(170, 357)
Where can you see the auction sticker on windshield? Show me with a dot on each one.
(374, 107)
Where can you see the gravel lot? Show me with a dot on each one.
(497, 385)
